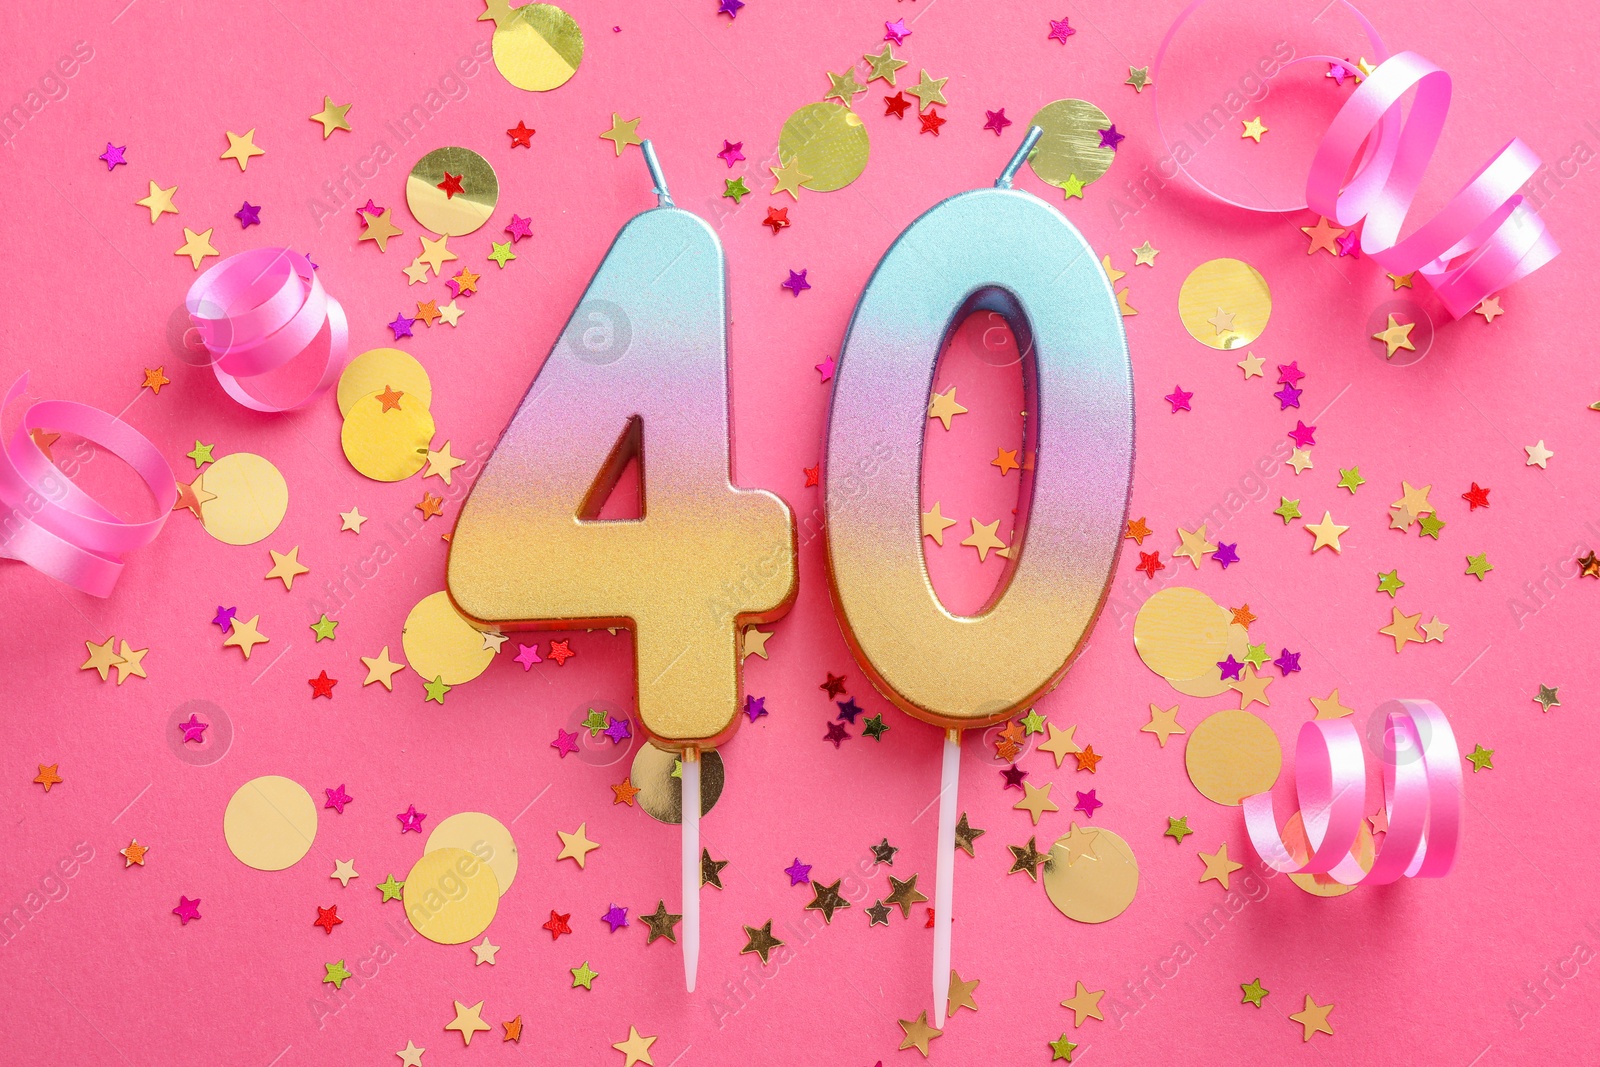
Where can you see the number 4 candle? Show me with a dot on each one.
(641, 369)
(1006, 251)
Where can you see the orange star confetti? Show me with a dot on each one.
(625, 791)
(430, 506)
(1137, 530)
(155, 378)
(1087, 759)
(48, 777)
(133, 854)
(1243, 616)
(390, 398)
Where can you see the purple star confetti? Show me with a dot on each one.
(114, 158)
(1111, 138)
(1287, 662)
(1288, 397)
(249, 215)
(896, 31)
(401, 326)
(618, 730)
(615, 917)
(224, 617)
(997, 121)
(755, 707)
(848, 710)
(836, 733)
(729, 8)
(799, 873)
(565, 742)
(796, 283)
(1230, 668)
(1013, 776)
(1226, 554)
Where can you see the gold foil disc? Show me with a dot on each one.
(1181, 633)
(381, 368)
(538, 48)
(439, 643)
(661, 794)
(482, 835)
(1225, 303)
(1323, 885)
(1210, 684)
(270, 823)
(450, 896)
(387, 445)
(445, 210)
(1100, 881)
(828, 142)
(1070, 147)
(251, 498)
(1232, 755)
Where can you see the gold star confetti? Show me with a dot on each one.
(755, 642)
(1084, 1004)
(344, 870)
(242, 148)
(576, 846)
(130, 662)
(918, 1031)
(332, 117)
(1403, 628)
(789, 178)
(411, 1055)
(379, 229)
(1145, 256)
(1322, 236)
(1251, 365)
(1395, 336)
(1546, 697)
(1435, 630)
(636, 1048)
(468, 1021)
(844, 87)
(758, 939)
(1219, 868)
(1313, 1018)
(1138, 77)
(983, 538)
(1331, 707)
(1251, 687)
(351, 520)
(622, 134)
(196, 246)
(1060, 745)
(1326, 533)
(436, 253)
(1538, 455)
(159, 201)
(416, 272)
(1414, 501)
(102, 658)
(1036, 801)
(961, 993)
(944, 407)
(245, 637)
(451, 312)
(1253, 129)
(485, 952)
(1402, 281)
(934, 524)
(1163, 723)
(381, 669)
(1300, 460)
(928, 91)
(884, 65)
(441, 463)
(287, 567)
(1489, 308)
(1194, 545)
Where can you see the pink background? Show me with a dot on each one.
(102, 972)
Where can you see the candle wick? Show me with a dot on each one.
(1017, 159)
(663, 198)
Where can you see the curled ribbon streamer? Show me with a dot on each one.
(258, 310)
(55, 527)
(1421, 794)
(1484, 239)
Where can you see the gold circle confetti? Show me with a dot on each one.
(270, 823)
(482, 835)
(452, 191)
(1232, 755)
(1225, 304)
(1181, 633)
(661, 792)
(828, 142)
(1091, 875)
(251, 498)
(1070, 148)
(1211, 683)
(382, 368)
(538, 48)
(1323, 885)
(386, 435)
(439, 643)
(450, 896)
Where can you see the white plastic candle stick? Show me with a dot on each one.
(691, 867)
(944, 874)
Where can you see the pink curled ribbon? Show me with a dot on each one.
(1421, 794)
(55, 527)
(259, 310)
(1370, 164)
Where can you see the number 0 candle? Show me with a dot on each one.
(641, 369)
(1006, 251)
